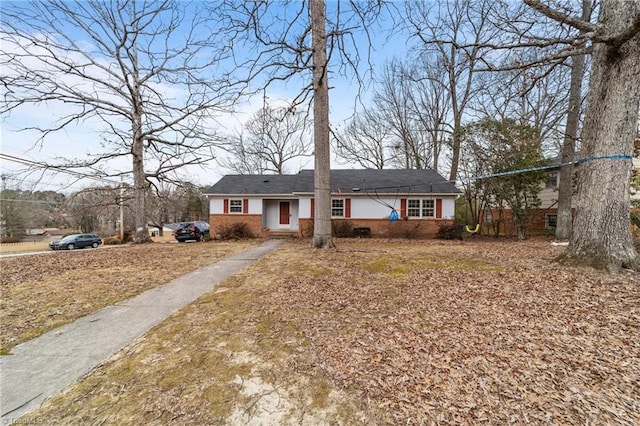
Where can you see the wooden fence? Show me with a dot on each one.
(24, 246)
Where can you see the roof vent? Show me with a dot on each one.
(266, 181)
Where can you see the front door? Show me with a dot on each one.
(284, 213)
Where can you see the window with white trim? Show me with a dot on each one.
(552, 180)
(235, 206)
(421, 208)
(337, 207)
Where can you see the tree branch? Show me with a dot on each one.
(563, 18)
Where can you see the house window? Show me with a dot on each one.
(550, 221)
(337, 207)
(421, 208)
(235, 206)
(552, 180)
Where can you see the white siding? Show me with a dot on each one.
(295, 214)
(549, 198)
(255, 206)
(448, 208)
(271, 214)
(216, 206)
(366, 208)
(305, 207)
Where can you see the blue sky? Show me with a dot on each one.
(83, 139)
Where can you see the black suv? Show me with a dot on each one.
(192, 231)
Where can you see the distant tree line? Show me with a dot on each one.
(95, 209)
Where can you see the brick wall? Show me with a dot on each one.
(507, 227)
(383, 228)
(253, 221)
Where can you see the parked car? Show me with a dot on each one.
(192, 231)
(75, 241)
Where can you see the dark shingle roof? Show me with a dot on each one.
(346, 181)
(254, 184)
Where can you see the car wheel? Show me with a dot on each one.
(70, 247)
(94, 245)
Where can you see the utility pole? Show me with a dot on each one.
(121, 202)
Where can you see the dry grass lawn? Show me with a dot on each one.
(41, 292)
(383, 332)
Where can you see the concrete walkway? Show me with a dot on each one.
(46, 365)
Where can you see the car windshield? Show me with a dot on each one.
(69, 238)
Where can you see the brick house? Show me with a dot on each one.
(362, 200)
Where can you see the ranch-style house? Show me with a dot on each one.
(370, 202)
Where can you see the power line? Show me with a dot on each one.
(58, 169)
(55, 203)
(33, 182)
(554, 166)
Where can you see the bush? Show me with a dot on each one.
(128, 235)
(405, 229)
(450, 231)
(342, 228)
(233, 231)
(111, 241)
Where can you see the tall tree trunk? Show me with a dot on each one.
(137, 148)
(602, 233)
(455, 153)
(322, 174)
(139, 185)
(565, 191)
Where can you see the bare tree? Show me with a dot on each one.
(601, 233)
(407, 127)
(94, 209)
(432, 107)
(167, 204)
(455, 32)
(365, 140)
(271, 138)
(239, 158)
(143, 71)
(536, 99)
(393, 100)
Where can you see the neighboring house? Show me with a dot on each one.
(545, 218)
(167, 229)
(42, 234)
(362, 200)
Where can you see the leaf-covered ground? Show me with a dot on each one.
(473, 333)
(43, 291)
(384, 332)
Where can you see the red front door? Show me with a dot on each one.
(284, 213)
